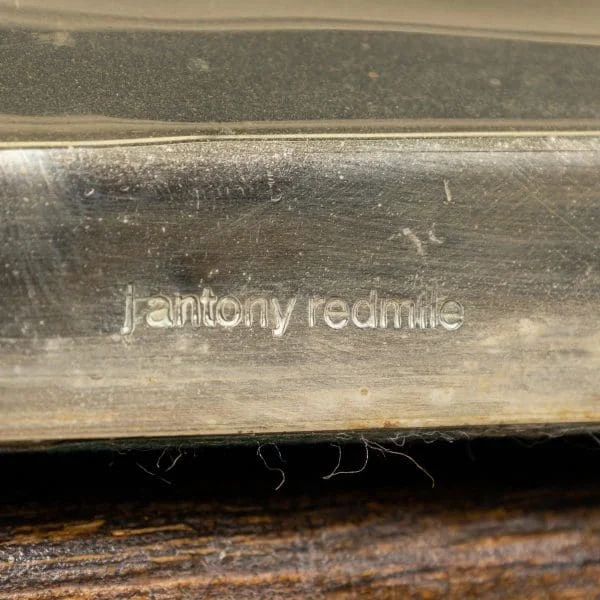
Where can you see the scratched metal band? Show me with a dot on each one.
(288, 285)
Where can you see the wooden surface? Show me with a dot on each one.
(505, 519)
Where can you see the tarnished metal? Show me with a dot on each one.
(213, 226)
(299, 285)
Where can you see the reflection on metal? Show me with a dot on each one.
(160, 290)
(210, 227)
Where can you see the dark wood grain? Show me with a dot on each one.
(522, 522)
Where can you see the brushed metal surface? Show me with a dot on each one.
(211, 240)
(72, 85)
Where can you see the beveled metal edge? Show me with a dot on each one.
(349, 135)
(449, 434)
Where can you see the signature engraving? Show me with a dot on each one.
(207, 309)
